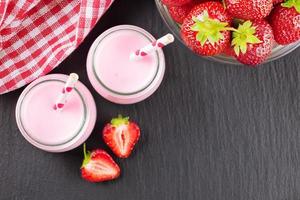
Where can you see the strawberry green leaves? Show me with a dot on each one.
(244, 35)
(120, 120)
(208, 29)
(211, 30)
(292, 3)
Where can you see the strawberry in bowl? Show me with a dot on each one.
(210, 27)
(178, 13)
(285, 21)
(206, 29)
(176, 2)
(252, 42)
(249, 9)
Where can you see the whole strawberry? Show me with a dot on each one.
(253, 42)
(285, 21)
(178, 13)
(206, 29)
(98, 166)
(121, 135)
(249, 9)
(176, 2)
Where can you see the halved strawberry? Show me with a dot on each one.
(121, 135)
(98, 166)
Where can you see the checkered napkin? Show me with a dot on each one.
(37, 35)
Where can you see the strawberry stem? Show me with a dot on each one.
(231, 29)
(244, 35)
(87, 156)
(84, 150)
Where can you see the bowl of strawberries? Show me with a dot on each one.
(249, 32)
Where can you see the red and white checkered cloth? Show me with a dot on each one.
(37, 35)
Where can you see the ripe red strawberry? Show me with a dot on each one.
(176, 2)
(121, 135)
(253, 42)
(249, 9)
(98, 166)
(229, 51)
(178, 13)
(285, 21)
(205, 30)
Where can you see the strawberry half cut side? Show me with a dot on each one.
(98, 166)
(121, 136)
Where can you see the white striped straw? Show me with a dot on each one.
(68, 87)
(150, 48)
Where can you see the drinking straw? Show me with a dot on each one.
(67, 89)
(150, 48)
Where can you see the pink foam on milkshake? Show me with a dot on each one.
(46, 125)
(114, 68)
(114, 75)
(52, 129)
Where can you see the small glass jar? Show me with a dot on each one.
(114, 76)
(53, 130)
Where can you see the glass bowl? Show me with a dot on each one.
(277, 52)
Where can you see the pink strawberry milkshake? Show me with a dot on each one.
(55, 130)
(117, 78)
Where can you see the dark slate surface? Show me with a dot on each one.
(211, 131)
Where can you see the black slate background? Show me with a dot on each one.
(211, 131)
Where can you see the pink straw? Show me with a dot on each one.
(150, 48)
(68, 88)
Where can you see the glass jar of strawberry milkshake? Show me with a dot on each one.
(117, 78)
(51, 129)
